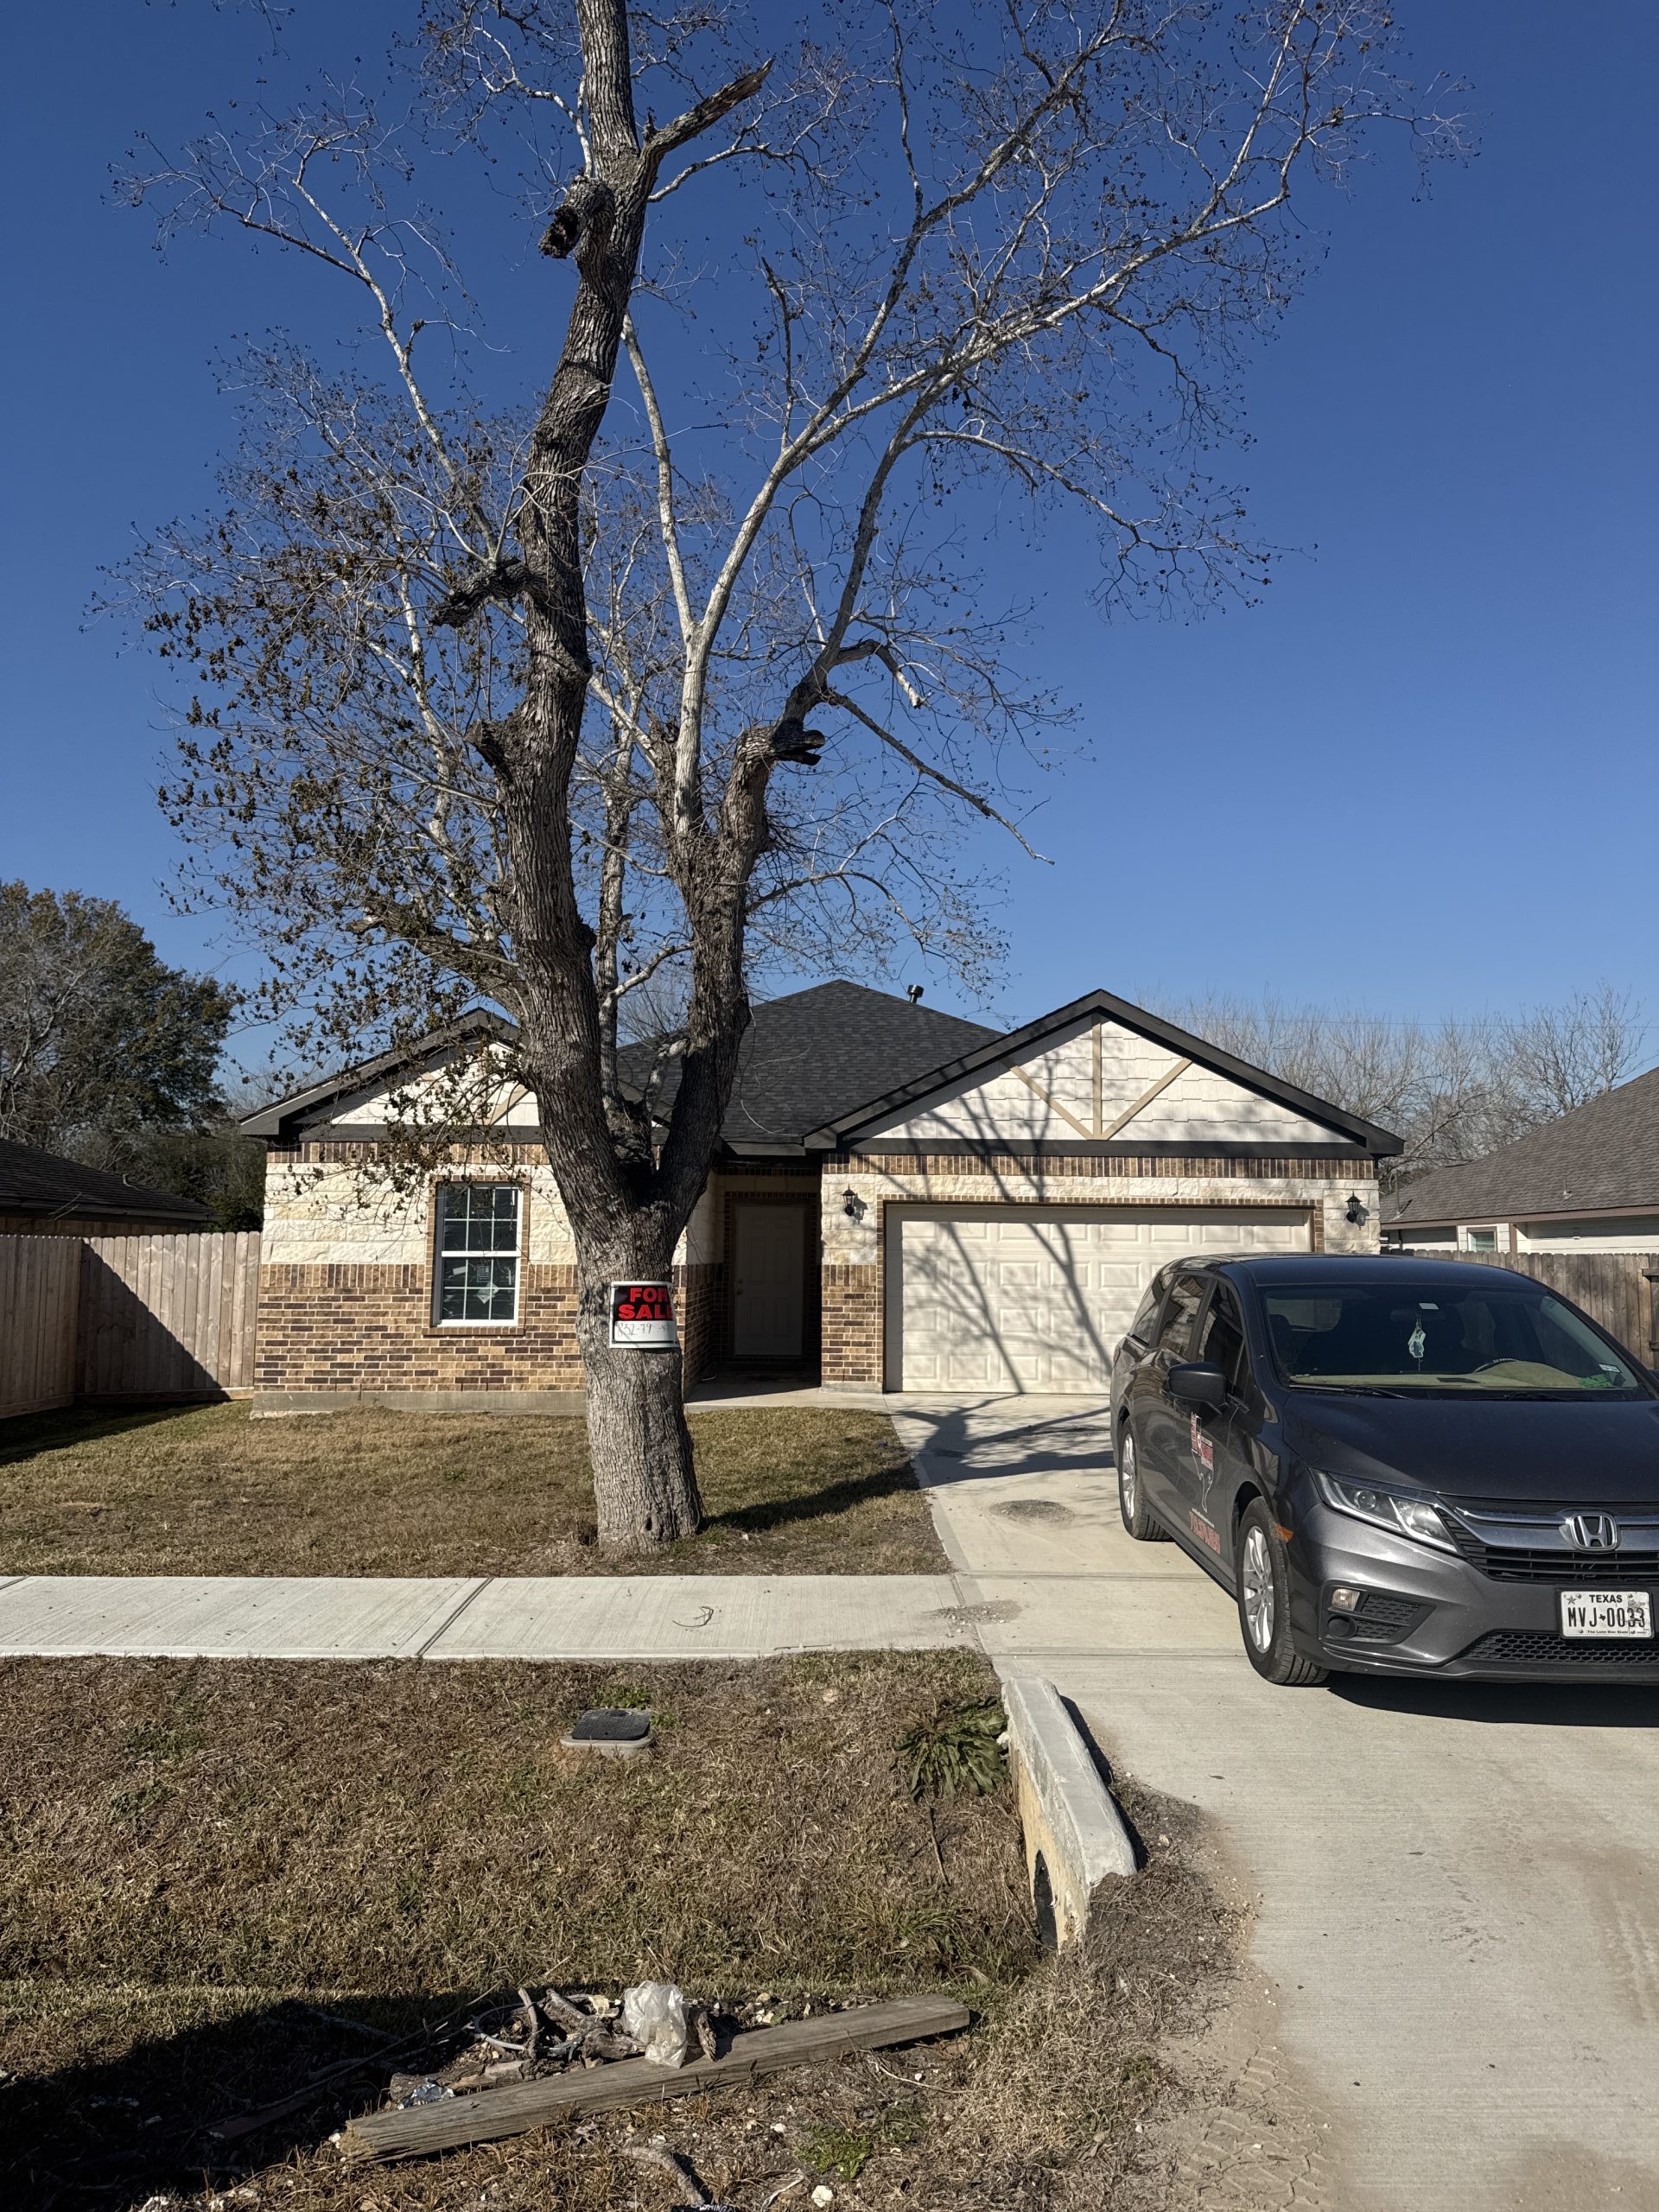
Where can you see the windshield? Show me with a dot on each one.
(1507, 1340)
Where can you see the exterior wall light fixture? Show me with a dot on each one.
(851, 1205)
(1357, 1211)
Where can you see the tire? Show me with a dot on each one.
(1131, 1493)
(1264, 1604)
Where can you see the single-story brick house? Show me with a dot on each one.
(903, 1199)
(1587, 1182)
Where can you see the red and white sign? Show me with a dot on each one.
(1204, 1449)
(642, 1317)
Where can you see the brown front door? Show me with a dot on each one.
(768, 1281)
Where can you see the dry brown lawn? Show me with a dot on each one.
(207, 1491)
(195, 1855)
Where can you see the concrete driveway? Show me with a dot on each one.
(1457, 1931)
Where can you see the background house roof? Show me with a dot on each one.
(1601, 1158)
(34, 1182)
(817, 1054)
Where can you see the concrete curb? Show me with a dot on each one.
(1074, 1836)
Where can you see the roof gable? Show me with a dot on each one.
(356, 1094)
(1100, 1070)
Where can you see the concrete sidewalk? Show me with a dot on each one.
(565, 1617)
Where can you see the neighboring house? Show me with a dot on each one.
(905, 1200)
(1586, 1183)
(41, 1195)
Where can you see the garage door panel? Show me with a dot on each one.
(1014, 1298)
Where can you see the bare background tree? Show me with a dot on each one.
(531, 697)
(1454, 1089)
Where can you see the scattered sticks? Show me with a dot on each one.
(493, 2113)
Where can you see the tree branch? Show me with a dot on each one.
(975, 799)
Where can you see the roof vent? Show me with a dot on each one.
(913, 993)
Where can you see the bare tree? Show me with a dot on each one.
(505, 708)
(1556, 1057)
(1454, 1089)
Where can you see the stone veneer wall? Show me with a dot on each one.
(855, 1251)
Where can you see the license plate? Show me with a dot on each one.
(1607, 1612)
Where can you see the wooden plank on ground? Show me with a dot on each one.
(489, 2114)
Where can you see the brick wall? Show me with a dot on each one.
(852, 1326)
(368, 1329)
(697, 1307)
(1094, 1166)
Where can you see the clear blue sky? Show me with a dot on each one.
(1423, 778)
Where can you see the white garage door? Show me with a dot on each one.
(1036, 1297)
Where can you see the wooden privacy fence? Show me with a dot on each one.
(167, 1315)
(40, 1298)
(162, 1314)
(1615, 1288)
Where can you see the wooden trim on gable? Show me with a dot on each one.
(1141, 1103)
(1053, 1104)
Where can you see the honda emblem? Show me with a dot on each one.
(1591, 1532)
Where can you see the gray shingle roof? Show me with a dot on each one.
(1602, 1158)
(819, 1053)
(34, 1182)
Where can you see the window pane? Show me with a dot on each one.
(1508, 1338)
(1176, 1336)
(478, 1248)
(1223, 1342)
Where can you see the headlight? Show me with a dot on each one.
(1402, 1513)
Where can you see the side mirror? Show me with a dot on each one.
(1198, 1382)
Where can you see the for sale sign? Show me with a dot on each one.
(642, 1317)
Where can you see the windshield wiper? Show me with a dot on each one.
(1555, 1397)
(1351, 1390)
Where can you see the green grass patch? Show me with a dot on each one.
(208, 1490)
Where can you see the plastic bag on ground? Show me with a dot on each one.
(653, 2014)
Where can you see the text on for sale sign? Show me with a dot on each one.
(642, 1317)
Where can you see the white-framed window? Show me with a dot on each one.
(1481, 1240)
(475, 1274)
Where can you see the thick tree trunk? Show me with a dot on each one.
(644, 1476)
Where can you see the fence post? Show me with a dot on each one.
(1650, 1276)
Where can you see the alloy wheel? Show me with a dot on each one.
(1258, 1590)
(1128, 1482)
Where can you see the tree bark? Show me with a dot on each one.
(626, 1209)
(645, 1475)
